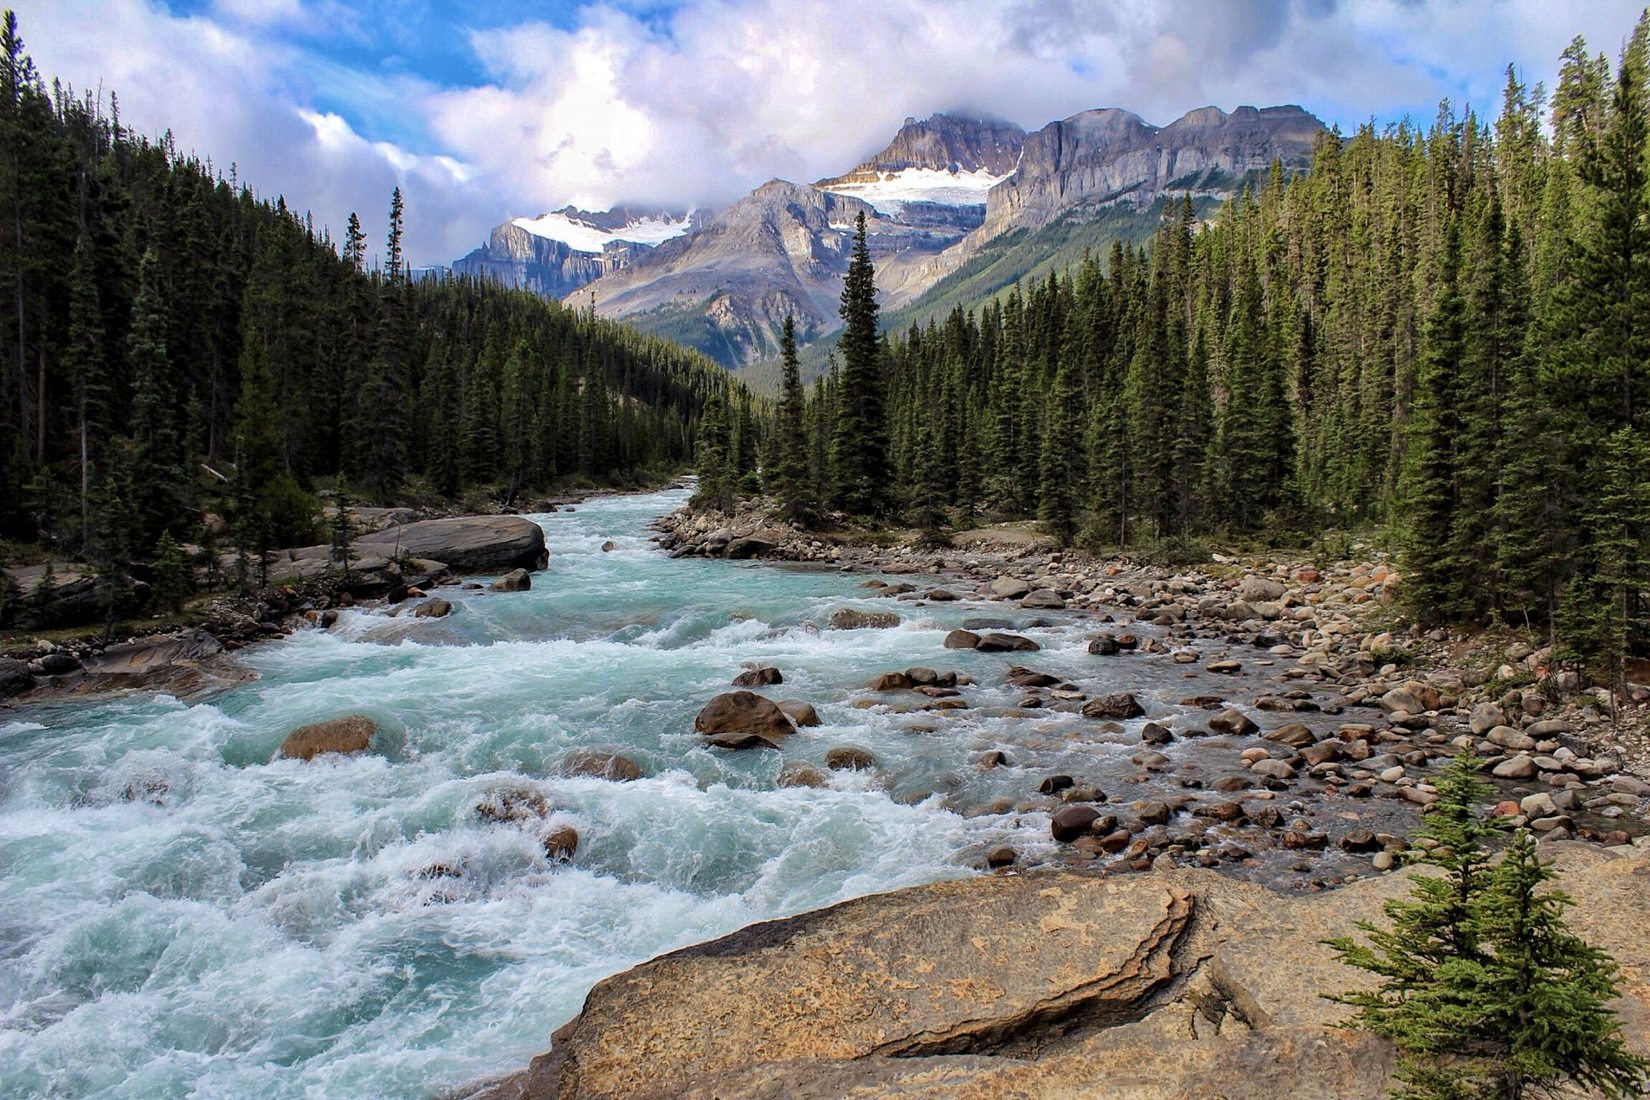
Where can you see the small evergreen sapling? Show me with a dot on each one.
(1483, 990)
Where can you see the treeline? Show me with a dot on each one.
(1442, 329)
(170, 344)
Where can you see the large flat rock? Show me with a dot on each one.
(951, 968)
(467, 544)
(1171, 984)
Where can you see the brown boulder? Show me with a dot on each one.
(743, 719)
(433, 609)
(516, 580)
(962, 639)
(1072, 821)
(849, 758)
(797, 773)
(758, 677)
(512, 805)
(1118, 704)
(561, 843)
(802, 714)
(1006, 643)
(346, 736)
(597, 764)
(849, 618)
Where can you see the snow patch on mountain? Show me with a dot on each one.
(581, 236)
(888, 192)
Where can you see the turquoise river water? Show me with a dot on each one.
(181, 915)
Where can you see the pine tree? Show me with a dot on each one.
(1435, 573)
(159, 475)
(173, 581)
(716, 473)
(859, 444)
(790, 479)
(1062, 448)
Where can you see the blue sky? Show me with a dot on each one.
(485, 110)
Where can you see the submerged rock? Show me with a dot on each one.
(758, 677)
(801, 713)
(512, 805)
(346, 736)
(798, 773)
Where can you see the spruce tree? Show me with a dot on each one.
(859, 443)
(790, 479)
(1545, 992)
(717, 477)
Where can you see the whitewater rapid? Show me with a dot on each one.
(183, 916)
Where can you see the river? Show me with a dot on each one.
(183, 915)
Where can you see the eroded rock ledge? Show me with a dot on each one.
(1179, 983)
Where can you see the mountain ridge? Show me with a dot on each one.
(944, 191)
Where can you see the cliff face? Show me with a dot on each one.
(1113, 156)
(944, 143)
(516, 258)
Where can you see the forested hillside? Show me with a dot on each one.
(171, 343)
(1444, 330)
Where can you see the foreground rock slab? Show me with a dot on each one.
(1170, 984)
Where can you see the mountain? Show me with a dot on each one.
(555, 254)
(956, 209)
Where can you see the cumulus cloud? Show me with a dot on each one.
(701, 100)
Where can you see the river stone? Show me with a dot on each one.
(758, 677)
(1072, 821)
(799, 773)
(433, 609)
(849, 758)
(597, 764)
(466, 544)
(743, 719)
(1009, 588)
(1485, 717)
(347, 736)
(800, 713)
(1253, 588)
(962, 639)
(1006, 643)
(1118, 704)
(1273, 769)
(1509, 738)
(1044, 599)
(516, 580)
(1233, 721)
(560, 844)
(849, 618)
(1517, 767)
(1154, 733)
(891, 681)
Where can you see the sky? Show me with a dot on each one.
(489, 109)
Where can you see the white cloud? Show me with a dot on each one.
(712, 97)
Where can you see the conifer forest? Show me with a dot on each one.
(1441, 332)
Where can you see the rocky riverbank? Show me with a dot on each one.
(395, 564)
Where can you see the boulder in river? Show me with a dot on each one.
(758, 677)
(433, 609)
(743, 719)
(799, 773)
(851, 618)
(561, 844)
(512, 805)
(962, 639)
(799, 712)
(516, 580)
(749, 547)
(597, 764)
(1117, 704)
(1006, 643)
(850, 758)
(466, 544)
(346, 736)
(1072, 821)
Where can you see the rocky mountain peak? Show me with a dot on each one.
(945, 143)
